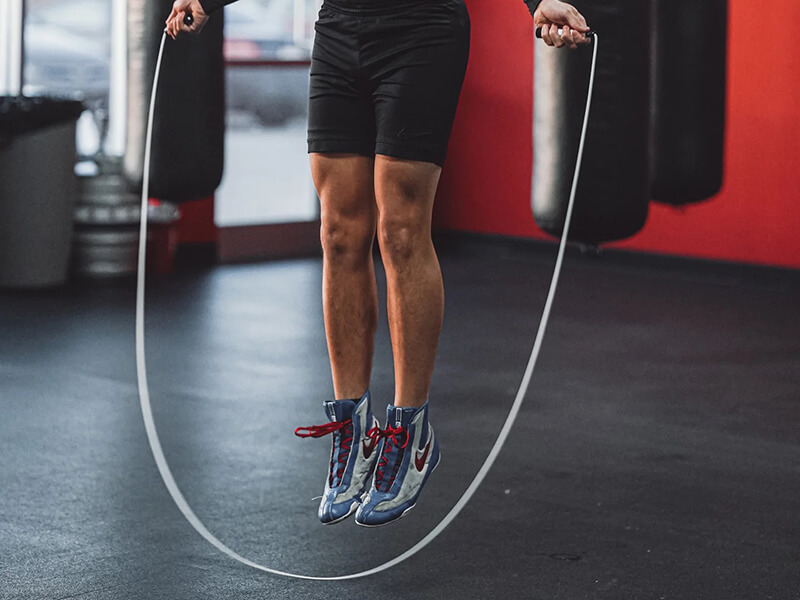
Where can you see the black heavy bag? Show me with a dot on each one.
(189, 124)
(688, 104)
(613, 190)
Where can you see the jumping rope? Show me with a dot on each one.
(144, 393)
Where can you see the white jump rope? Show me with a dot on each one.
(144, 393)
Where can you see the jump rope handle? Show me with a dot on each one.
(589, 34)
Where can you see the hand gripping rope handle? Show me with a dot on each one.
(589, 34)
(144, 394)
(188, 20)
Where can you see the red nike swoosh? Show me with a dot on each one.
(368, 449)
(419, 461)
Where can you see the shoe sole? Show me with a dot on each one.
(405, 512)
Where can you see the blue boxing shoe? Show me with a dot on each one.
(353, 454)
(409, 452)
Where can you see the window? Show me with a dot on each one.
(68, 53)
(267, 50)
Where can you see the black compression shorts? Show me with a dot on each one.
(386, 76)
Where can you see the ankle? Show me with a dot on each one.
(411, 402)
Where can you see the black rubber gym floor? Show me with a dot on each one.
(657, 454)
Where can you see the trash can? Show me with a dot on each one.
(37, 189)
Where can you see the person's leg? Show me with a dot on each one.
(417, 74)
(344, 183)
(417, 67)
(341, 144)
(409, 451)
(349, 293)
(404, 191)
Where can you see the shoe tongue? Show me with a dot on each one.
(398, 416)
(340, 410)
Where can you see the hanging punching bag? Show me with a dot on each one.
(613, 191)
(688, 104)
(189, 122)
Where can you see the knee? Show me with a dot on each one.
(347, 239)
(405, 202)
(402, 238)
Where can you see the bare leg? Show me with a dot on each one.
(349, 293)
(404, 192)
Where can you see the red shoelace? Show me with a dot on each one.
(390, 434)
(345, 441)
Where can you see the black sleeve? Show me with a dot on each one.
(209, 6)
(532, 5)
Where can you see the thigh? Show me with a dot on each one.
(340, 116)
(420, 61)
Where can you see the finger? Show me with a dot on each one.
(557, 41)
(171, 20)
(576, 20)
(568, 35)
(546, 35)
(175, 26)
(180, 25)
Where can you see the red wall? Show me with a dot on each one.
(755, 218)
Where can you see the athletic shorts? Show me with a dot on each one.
(386, 76)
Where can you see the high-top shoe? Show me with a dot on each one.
(409, 452)
(353, 455)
